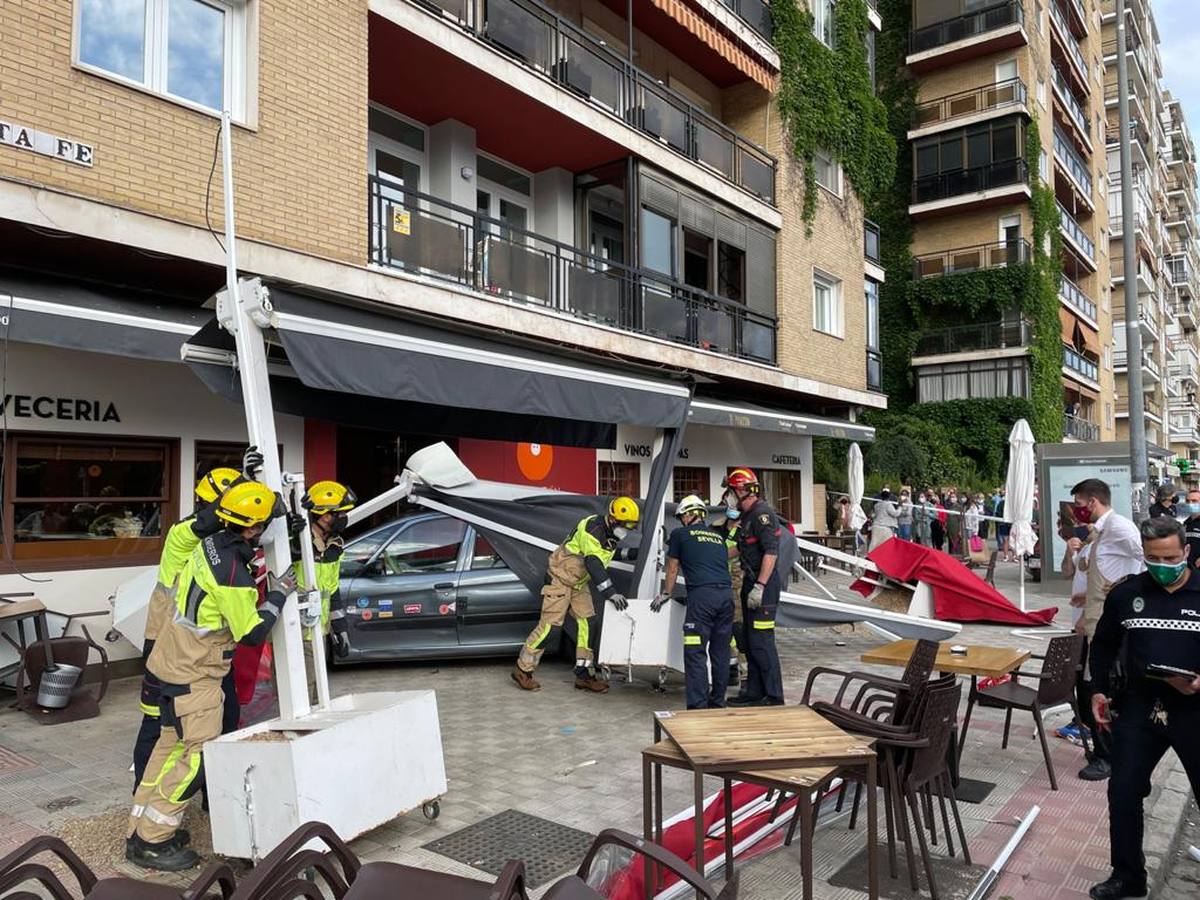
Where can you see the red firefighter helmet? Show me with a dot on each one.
(741, 479)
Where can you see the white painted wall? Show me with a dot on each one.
(153, 399)
(720, 448)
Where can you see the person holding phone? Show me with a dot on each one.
(1152, 621)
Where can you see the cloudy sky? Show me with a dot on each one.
(1179, 29)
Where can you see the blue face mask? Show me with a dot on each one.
(1190, 509)
(732, 512)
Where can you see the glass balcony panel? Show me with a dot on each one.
(664, 120)
(664, 313)
(592, 74)
(520, 32)
(714, 148)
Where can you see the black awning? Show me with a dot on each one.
(366, 368)
(64, 314)
(732, 414)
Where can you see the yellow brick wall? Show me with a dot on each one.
(300, 173)
(835, 247)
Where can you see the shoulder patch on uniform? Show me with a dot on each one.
(1138, 604)
(764, 519)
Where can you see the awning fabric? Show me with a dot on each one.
(1068, 323)
(732, 414)
(64, 314)
(729, 50)
(369, 368)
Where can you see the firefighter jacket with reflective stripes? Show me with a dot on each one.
(758, 537)
(181, 540)
(328, 564)
(594, 543)
(1148, 626)
(216, 607)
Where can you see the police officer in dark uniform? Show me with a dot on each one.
(704, 558)
(758, 549)
(1191, 524)
(1151, 622)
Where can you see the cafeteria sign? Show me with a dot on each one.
(25, 138)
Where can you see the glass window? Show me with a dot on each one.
(658, 242)
(430, 545)
(690, 480)
(196, 52)
(395, 129)
(614, 479)
(731, 272)
(505, 176)
(827, 171)
(484, 556)
(359, 552)
(1004, 142)
(872, 295)
(112, 36)
(401, 171)
(979, 151)
(826, 305)
(823, 25)
(871, 56)
(927, 158)
(952, 150)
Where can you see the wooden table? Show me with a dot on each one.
(781, 745)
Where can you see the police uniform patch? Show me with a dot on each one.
(1138, 604)
(764, 519)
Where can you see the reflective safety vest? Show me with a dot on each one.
(589, 540)
(177, 548)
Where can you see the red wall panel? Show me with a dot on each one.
(544, 465)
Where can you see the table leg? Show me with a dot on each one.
(649, 876)
(805, 811)
(872, 832)
(698, 819)
(658, 803)
(728, 828)
(42, 628)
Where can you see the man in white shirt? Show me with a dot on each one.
(1116, 553)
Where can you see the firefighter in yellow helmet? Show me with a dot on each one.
(579, 563)
(181, 540)
(327, 503)
(216, 608)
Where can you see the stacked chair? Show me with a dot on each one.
(313, 863)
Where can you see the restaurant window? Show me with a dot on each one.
(87, 502)
(784, 490)
(690, 480)
(617, 479)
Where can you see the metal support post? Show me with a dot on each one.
(310, 601)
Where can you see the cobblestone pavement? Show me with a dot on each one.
(1182, 881)
(573, 758)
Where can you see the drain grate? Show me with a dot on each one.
(547, 848)
(13, 762)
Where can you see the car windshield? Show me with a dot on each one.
(428, 545)
(360, 551)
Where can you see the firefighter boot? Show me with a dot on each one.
(167, 856)
(180, 838)
(587, 681)
(525, 680)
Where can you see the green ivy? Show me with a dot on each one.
(827, 102)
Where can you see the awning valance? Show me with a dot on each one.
(64, 314)
(729, 50)
(732, 414)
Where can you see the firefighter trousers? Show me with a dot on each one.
(707, 627)
(559, 599)
(191, 715)
(151, 727)
(764, 678)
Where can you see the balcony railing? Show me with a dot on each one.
(974, 338)
(1080, 429)
(1077, 362)
(1073, 230)
(754, 13)
(871, 242)
(968, 25)
(874, 370)
(1072, 162)
(586, 66)
(970, 181)
(971, 259)
(1151, 406)
(429, 237)
(1075, 109)
(1074, 297)
(1060, 19)
(1149, 366)
(1178, 270)
(965, 103)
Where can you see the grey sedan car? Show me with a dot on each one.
(429, 586)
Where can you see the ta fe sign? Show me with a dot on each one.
(64, 409)
(25, 138)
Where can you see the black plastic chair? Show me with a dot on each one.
(891, 698)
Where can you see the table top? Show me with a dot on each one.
(990, 662)
(765, 737)
(666, 753)
(16, 609)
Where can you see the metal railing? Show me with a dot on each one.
(874, 370)
(1076, 110)
(1072, 45)
(968, 25)
(871, 242)
(999, 94)
(971, 259)
(1080, 429)
(754, 13)
(974, 337)
(1179, 270)
(1077, 362)
(1074, 297)
(1116, 225)
(970, 181)
(426, 236)
(1073, 230)
(1151, 406)
(1072, 162)
(1121, 361)
(538, 38)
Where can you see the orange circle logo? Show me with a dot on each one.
(535, 460)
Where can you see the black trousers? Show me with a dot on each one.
(151, 727)
(1083, 694)
(764, 679)
(706, 632)
(1138, 743)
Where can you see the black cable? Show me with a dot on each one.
(208, 188)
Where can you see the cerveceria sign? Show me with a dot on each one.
(65, 409)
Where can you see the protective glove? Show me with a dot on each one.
(755, 597)
(252, 463)
(619, 601)
(295, 524)
(341, 644)
(659, 602)
(284, 584)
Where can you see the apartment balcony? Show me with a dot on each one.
(754, 13)
(1076, 17)
(1147, 321)
(1073, 296)
(1073, 112)
(1180, 273)
(1145, 277)
(1080, 366)
(974, 33)
(967, 107)
(1076, 170)
(1077, 240)
(428, 238)
(1065, 48)
(980, 186)
(582, 65)
(1184, 431)
(1151, 374)
(1079, 429)
(977, 339)
(1185, 371)
(972, 259)
(1152, 408)
(1185, 312)
(1139, 72)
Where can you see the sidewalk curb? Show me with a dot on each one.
(1164, 823)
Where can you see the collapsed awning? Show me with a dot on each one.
(347, 361)
(729, 414)
(64, 314)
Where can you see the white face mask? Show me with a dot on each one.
(620, 532)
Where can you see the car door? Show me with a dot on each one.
(403, 602)
(495, 609)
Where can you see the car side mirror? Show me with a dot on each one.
(352, 568)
